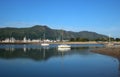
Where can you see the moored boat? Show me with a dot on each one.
(64, 46)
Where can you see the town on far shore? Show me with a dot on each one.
(25, 40)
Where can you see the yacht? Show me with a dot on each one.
(63, 45)
(64, 49)
(44, 44)
(110, 44)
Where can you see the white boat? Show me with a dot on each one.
(110, 44)
(64, 46)
(44, 44)
(63, 49)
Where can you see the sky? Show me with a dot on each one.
(101, 16)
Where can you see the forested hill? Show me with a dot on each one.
(37, 31)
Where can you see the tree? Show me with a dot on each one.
(72, 39)
(117, 39)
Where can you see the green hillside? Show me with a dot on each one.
(37, 31)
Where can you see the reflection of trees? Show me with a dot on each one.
(36, 53)
(119, 66)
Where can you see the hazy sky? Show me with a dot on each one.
(101, 16)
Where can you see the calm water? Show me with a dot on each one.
(37, 61)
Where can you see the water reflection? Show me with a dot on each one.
(24, 48)
(36, 54)
(119, 66)
(11, 48)
(40, 53)
(44, 61)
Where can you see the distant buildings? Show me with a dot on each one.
(12, 40)
(25, 40)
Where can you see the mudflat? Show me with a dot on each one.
(112, 51)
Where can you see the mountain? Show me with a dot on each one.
(37, 31)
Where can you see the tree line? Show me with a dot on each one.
(97, 40)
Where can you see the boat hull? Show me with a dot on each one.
(44, 44)
(64, 46)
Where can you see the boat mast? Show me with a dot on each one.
(61, 35)
(109, 39)
(44, 37)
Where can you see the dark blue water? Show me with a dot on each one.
(36, 61)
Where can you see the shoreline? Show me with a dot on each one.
(112, 51)
(49, 42)
(90, 42)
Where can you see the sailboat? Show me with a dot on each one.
(110, 44)
(63, 45)
(60, 49)
(44, 44)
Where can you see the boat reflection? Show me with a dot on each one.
(38, 53)
(44, 51)
(24, 48)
